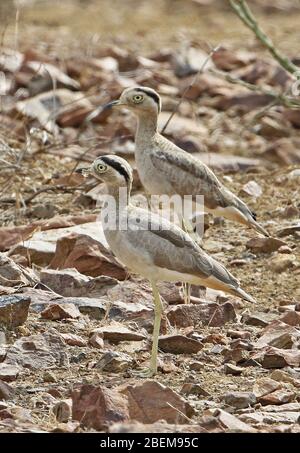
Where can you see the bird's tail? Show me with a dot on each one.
(243, 295)
(258, 227)
(248, 217)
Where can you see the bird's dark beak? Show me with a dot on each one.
(86, 171)
(102, 108)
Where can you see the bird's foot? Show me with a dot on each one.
(144, 373)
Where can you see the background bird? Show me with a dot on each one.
(151, 246)
(164, 168)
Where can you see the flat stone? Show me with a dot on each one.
(279, 335)
(264, 245)
(73, 340)
(291, 229)
(240, 400)
(212, 314)
(258, 319)
(114, 362)
(229, 421)
(280, 396)
(56, 312)
(117, 332)
(9, 373)
(235, 370)
(270, 417)
(292, 318)
(70, 283)
(264, 386)
(179, 344)
(271, 357)
(191, 388)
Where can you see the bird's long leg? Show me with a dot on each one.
(157, 320)
(186, 286)
(152, 370)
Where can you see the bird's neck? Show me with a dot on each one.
(147, 126)
(121, 195)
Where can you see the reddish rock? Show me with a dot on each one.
(280, 396)
(235, 334)
(151, 401)
(211, 314)
(244, 101)
(117, 332)
(283, 152)
(96, 340)
(88, 256)
(292, 116)
(73, 340)
(271, 357)
(14, 310)
(179, 344)
(279, 335)
(98, 407)
(292, 318)
(10, 236)
(264, 386)
(264, 245)
(228, 59)
(57, 312)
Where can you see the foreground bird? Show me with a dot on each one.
(164, 168)
(152, 246)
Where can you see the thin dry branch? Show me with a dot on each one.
(243, 11)
(189, 86)
(280, 98)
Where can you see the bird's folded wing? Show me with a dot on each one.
(181, 161)
(189, 176)
(167, 246)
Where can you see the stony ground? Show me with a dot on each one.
(74, 323)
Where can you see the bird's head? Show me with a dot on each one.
(139, 100)
(110, 169)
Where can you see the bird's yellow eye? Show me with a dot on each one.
(101, 168)
(138, 98)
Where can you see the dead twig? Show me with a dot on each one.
(243, 11)
(281, 98)
(66, 189)
(189, 87)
